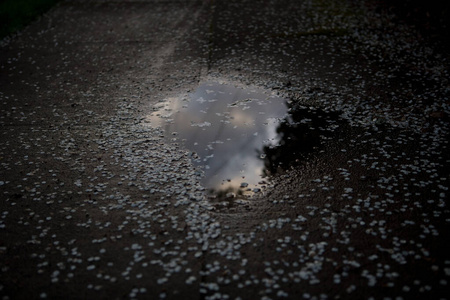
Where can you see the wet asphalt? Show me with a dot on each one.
(95, 203)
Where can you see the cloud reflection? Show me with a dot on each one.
(227, 126)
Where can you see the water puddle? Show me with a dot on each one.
(239, 136)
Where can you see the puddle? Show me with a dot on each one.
(302, 132)
(239, 136)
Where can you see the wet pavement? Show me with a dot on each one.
(324, 124)
(226, 128)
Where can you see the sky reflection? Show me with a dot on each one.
(227, 126)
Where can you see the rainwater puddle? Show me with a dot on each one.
(239, 137)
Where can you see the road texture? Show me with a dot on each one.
(95, 204)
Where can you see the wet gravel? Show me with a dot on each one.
(96, 203)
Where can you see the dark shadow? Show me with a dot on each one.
(301, 133)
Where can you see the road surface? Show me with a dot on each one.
(95, 203)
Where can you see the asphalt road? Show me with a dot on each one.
(96, 203)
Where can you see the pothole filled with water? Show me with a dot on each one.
(241, 136)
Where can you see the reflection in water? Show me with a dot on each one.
(226, 127)
(302, 132)
(239, 136)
